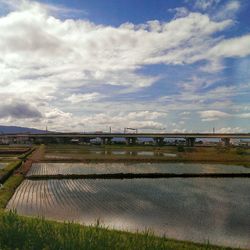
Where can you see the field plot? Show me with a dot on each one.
(99, 155)
(11, 153)
(39, 169)
(137, 153)
(187, 209)
(107, 152)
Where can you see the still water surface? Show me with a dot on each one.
(110, 152)
(204, 209)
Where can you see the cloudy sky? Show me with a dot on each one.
(153, 65)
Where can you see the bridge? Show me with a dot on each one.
(130, 138)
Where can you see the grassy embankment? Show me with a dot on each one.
(11, 177)
(7, 171)
(8, 189)
(12, 151)
(26, 154)
(18, 232)
(10, 184)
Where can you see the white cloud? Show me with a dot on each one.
(234, 47)
(179, 12)
(35, 44)
(77, 98)
(55, 113)
(146, 115)
(212, 66)
(147, 125)
(205, 4)
(244, 115)
(226, 48)
(178, 130)
(57, 64)
(119, 121)
(51, 8)
(228, 10)
(211, 115)
(229, 130)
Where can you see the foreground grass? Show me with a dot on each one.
(18, 232)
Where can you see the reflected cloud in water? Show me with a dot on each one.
(188, 209)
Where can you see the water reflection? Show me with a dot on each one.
(186, 209)
(132, 152)
(147, 153)
(103, 152)
(119, 152)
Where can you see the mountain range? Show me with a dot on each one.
(16, 129)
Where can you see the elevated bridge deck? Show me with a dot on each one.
(130, 135)
(131, 138)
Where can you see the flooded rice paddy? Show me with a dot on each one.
(196, 209)
(101, 152)
(185, 209)
(112, 168)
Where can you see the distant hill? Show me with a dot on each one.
(15, 129)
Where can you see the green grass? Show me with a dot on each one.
(18, 232)
(8, 189)
(11, 181)
(6, 172)
(10, 166)
(25, 155)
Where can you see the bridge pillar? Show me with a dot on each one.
(226, 141)
(44, 140)
(106, 140)
(131, 140)
(110, 140)
(85, 140)
(61, 140)
(159, 141)
(190, 141)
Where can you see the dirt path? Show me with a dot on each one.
(36, 156)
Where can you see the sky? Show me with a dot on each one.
(158, 66)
